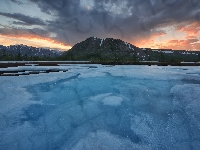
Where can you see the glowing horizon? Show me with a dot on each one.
(34, 41)
(41, 42)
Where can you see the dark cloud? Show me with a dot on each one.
(17, 2)
(130, 20)
(14, 32)
(19, 23)
(25, 20)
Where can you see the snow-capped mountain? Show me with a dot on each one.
(24, 51)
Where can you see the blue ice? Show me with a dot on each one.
(101, 107)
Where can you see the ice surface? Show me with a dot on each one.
(112, 100)
(101, 107)
(105, 140)
(100, 97)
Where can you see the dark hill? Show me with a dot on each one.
(96, 49)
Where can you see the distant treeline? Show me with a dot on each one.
(68, 56)
(152, 56)
(10, 57)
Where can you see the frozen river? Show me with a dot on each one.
(96, 107)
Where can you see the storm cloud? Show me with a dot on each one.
(130, 20)
(25, 20)
(17, 2)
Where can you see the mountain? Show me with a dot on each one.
(98, 50)
(115, 50)
(109, 49)
(24, 52)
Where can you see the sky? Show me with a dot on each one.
(59, 24)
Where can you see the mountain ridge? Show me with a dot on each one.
(94, 48)
(24, 52)
(116, 50)
(97, 50)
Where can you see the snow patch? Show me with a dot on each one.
(108, 99)
(101, 42)
(112, 100)
(129, 46)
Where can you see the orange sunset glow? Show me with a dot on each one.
(180, 37)
(33, 41)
